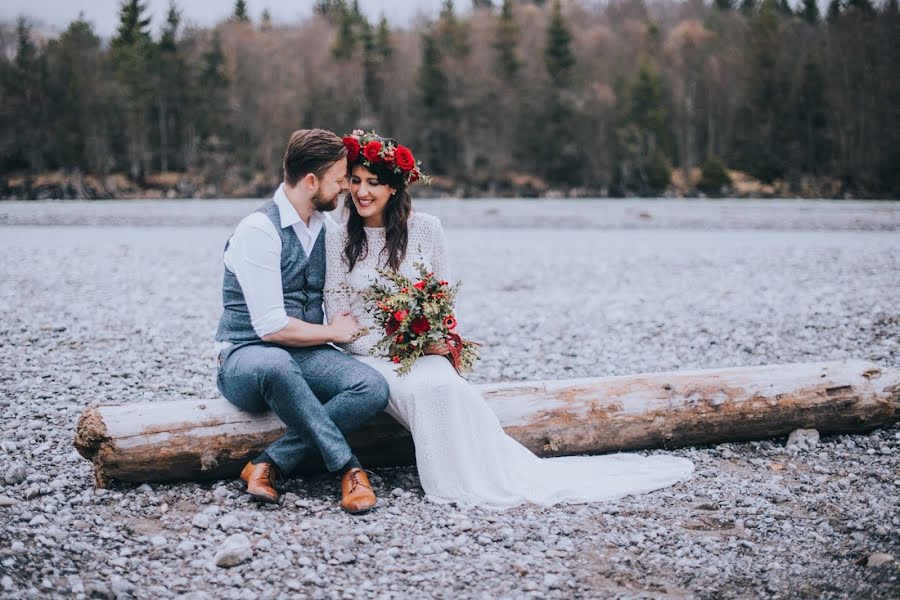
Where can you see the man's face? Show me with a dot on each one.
(332, 185)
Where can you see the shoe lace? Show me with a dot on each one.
(354, 479)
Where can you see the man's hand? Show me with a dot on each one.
(344, 328)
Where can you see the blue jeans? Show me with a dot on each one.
(319, 393)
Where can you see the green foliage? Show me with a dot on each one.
(835, 7)
(713, 176)
(345, 43)
(383, 45)
(810, 12)
(558, 56)
(240, 12)
(723, 5)
(506, 41)
(451, 33)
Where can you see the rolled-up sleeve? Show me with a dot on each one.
(254, 256)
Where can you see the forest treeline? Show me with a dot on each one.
(513, 97)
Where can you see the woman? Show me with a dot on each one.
(462, 453)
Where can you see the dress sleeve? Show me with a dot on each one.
(440, 261)
(338, 293)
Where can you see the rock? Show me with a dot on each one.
(233, 551)
(803, 439)
(879, 559)
(7, 501)
(228, 522)
(16, 474)
(159, 541)
(6, 583)
(121, 586)
(200, 521)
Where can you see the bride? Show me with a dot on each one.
(462, 453)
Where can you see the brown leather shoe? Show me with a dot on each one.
(356, 492)
(260, 480)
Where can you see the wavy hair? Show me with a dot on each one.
(396, 230)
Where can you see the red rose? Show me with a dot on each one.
(396, 359)
(399, 338)
(352, 146)
(371, 151)
(391, 327)
(414, 176)
(420, 325)
(419, 285)
(401, 315)
(404, 158)
(450, 322)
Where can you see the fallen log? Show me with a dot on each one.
(211, 439)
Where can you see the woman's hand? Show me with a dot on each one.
(440, 348)
(344, 328)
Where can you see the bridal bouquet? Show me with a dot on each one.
(415, 315)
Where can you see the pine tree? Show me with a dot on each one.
(723, 5)
(383, 44)
(812, 115)
(558, 56)
(265, 23)
(170, 87)
(863, 7)
(345, 43)
(452, 34)
(371, 69)
(240, 12)
(506, 61)
(213, 88)
(835, 7)
(133, 54)
(748, 6)
(438, 135)
(810, 11)
(784, 8)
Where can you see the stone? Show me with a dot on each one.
(121, 586)
(200, 521)
(803, 439)
(228, 522)
(16, 474)
(233, 551)
(7, 501)
(879, 559)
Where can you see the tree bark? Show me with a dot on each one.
(211, 439)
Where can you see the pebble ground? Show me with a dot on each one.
(96, 313)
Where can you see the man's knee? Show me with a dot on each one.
(273, 365)
(376, 388)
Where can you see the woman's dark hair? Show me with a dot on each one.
(396, 232)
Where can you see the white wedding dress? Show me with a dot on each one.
(462, 453)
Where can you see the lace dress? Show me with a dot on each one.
(462, 453)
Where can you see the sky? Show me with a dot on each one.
(57, 14)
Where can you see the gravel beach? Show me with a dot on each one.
(112, 302)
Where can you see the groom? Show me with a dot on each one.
(279, 357)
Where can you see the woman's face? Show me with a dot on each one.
(369, 196)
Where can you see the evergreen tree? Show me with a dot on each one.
(23, 105)
(170, 88)
(345, 43)
(723, 5)
(644, 137)
(438, 135)
(863, 7)
(784, 8)
(452, 34)
(835, 7)
(383, 45)
(213, 89)
(810, 11)
(240, 12)
(133, 55)
(748, 6)
(558, 56)
(506, 41)
(812, 118)
(265, 23)
(371, 69)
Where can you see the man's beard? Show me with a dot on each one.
(325, 204)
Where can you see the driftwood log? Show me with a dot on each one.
(210, 439)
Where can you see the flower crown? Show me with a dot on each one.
(382, 157)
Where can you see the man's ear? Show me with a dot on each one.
(311, 181)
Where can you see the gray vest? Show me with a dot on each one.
(302, 280)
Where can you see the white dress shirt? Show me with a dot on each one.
(254, 256)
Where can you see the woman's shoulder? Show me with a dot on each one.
(425, 221)
(334, 229)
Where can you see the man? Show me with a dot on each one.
(279, 356)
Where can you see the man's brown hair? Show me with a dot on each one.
(311, 151)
